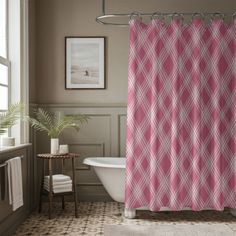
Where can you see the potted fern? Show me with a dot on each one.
(7, 120)
(54, 124)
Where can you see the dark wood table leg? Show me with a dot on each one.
(63, 202)
(50, 187)
(62, 197)
(41, 188)
(74, 187)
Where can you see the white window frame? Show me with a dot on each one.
(5, 60)
(19, 66)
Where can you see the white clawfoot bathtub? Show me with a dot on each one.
(111, 172)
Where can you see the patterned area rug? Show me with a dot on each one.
(93, 216)
(168, 230)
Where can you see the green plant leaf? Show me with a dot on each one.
(53, 124)
(9, 118)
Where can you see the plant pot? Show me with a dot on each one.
(8, 141)
(54, 145)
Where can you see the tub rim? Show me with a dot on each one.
(94, 161)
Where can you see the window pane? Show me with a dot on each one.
(5, 134)
(3, 98)
(3, 28)
(3, 74)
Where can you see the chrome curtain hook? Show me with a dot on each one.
(157, 15)
(135, 14)
(198, 14)
(220, 15)
(179, 15)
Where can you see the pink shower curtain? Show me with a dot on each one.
(181, 124)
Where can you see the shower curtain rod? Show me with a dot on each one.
(104, 16)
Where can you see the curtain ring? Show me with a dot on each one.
(176, 14)
(221, 15)
(201, 15)
(158, 15)
(135, 14)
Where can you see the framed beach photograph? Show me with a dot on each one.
(85, 62)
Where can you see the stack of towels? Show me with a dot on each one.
(60, 183)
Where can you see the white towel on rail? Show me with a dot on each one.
(14, 173)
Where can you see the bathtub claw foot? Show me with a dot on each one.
(130, 213)
(233, 212)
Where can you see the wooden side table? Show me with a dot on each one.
(50, 158)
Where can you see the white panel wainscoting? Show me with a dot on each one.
(103, 135)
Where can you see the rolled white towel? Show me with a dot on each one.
(58, 183)
(60, 190)
(67, 187)
(57, 178)
(58, 187)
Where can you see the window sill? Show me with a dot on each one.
(13, 148)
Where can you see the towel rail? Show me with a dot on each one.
(5, 163)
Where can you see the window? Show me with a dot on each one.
(14, 61)
(4, 61)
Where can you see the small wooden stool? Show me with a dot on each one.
(50, 158)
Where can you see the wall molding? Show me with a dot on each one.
(102, 148)
(89, 184)
(82, 105)
(109, 115)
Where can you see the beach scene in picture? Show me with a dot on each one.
(84, 63)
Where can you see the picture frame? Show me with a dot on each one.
(85, 63)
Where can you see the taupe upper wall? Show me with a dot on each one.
(32, 51)
(56, 19)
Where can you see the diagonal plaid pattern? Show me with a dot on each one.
(181, 123)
